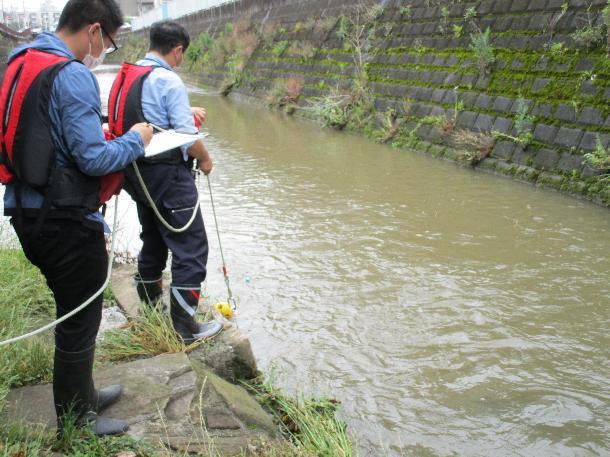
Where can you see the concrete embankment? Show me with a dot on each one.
(519, 88)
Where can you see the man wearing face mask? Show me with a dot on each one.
(54, 163)
(158, 95)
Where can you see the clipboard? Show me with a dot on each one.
(170, 139)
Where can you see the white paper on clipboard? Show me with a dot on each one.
(170, 139)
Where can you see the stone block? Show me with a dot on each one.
(484, 123)
(561, 67)
(569, 162)
(438, 77)
(469, 80)
(568, 138)
(420, 110)
(505, 168)
(503, 24)
(503, 125)
(521, 22)
(452, 79)
(584, 65)
(516, 64)
(545, 133)
(501, 7)
(519, 6)
(590, 116)
(229, 355)
(485, 7)
(536, 5)
(542, 64)
(469, 98)
(589, 140)
(466, 119)
(550, 179)
(484, 101)
(527, 102)
(546, 158)
(538, 22)
(452, 61)
(540, 84)
(438, 95)
(502, 42)
(588, 171)
(565, 113)
(519, 42)
(542, 110)
(503, 104)
(503, 150)
(483, 82)
(522, 156)
(588, 88)
(526, 173)
(487, 163)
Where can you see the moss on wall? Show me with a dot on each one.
(517, 88)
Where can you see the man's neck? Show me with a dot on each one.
(161, 57)
(71, 42)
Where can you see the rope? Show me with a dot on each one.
(166, 224)
(225, 271)
(89, 300)
(231, 300)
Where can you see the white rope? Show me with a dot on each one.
(89, 300)
(166, 224)
(111, 257)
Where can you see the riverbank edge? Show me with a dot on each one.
(30, 363)
(519, 173)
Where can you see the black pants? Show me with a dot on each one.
(73, 259)
(173, 190)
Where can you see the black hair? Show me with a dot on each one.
(166, 35)
(78, 13)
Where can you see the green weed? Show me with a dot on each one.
(311, 424)
(599, 158)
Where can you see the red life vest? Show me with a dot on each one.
(27, 148)
(28, 154)
(125, 101)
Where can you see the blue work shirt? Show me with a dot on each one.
(76, 128)
(165, 101)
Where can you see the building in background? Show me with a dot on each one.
(145, 5)
(130, 8)
(41, 19)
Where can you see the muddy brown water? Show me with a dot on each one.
(452, 312)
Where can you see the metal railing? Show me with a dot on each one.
(175, 10)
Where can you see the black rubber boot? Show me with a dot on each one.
(150, 292)
(183, 307)
(75, 397)
(107, 397)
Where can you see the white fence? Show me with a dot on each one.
(174, 10)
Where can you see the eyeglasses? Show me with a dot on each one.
(114, 46)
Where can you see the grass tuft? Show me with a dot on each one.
(312, 425)
(148, 335)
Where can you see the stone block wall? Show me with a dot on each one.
(420, 67)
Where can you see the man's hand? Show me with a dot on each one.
(145, 131)
(205, 166)
(199, 114)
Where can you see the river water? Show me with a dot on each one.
(450, 311)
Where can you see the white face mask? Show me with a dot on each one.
(93, 62)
